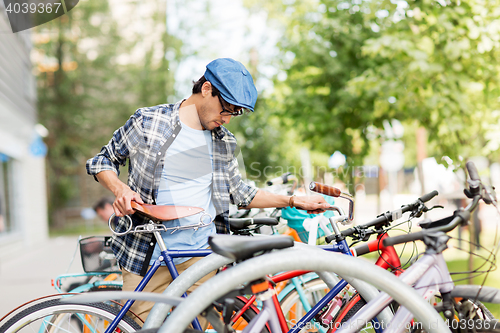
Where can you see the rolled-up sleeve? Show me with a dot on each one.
(241, 194)
(122, 144)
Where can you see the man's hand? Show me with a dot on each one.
(122, 205)
(314, 204)
(124, 195)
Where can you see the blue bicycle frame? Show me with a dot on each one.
(167, 257)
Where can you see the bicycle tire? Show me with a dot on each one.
(484, 321)
(45, 315)
(481, 321)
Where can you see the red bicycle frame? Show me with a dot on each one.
(388, 259)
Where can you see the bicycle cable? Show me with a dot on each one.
(74, 253)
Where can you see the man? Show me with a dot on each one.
(104, 208)
(180, 154)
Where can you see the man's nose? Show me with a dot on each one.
(226, 119)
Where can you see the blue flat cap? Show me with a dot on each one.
(233, 81)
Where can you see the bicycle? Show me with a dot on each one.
(391, 258)
(388, 217)
(351, 208)
(432, 260)
(44, 309)
(101, 271)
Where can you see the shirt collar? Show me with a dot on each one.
(175, 110)
(219, 132)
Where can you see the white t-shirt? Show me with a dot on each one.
(186, 180)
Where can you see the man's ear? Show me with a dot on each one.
(206, 89)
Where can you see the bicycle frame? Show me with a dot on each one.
(304, 259)
(107, 281)
(430, 275)
(390, 259)
(167, 257)
(388, 256)
(387, 259)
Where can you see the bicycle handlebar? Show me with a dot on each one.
(334, 192)
(471, 168)
(428, 196)
(283, 179)
(403, 238)
(460, 217)
(325, 189)
(387, 217)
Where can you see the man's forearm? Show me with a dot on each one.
(110, 180)
(314, 204)
(264, 199)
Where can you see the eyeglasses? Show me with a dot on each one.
(226, 112)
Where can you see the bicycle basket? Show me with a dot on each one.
(97, 255)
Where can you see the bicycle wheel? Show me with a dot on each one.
(293, 307)
(241, 323)
(355, 303)
(469, 316)
(54, 316)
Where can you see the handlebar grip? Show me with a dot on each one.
(324, 189)
(403, 238)
(471, 168)
(346, 233)
(329, 239)
(428, 196)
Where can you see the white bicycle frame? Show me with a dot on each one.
(430, 276)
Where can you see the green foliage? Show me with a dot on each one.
(327, 54)
(436, 66)
(320, 52)
(269, 149)
(347, 65)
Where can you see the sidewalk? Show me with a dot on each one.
(29, 275)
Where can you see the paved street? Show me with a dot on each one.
(28, 275)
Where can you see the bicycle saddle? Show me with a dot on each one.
(240, 248)
(164, 213)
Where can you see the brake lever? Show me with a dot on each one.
(433, 207)
(422, 208)
(489, 195)
(419, 210)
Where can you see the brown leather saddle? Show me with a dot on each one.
(164, 213)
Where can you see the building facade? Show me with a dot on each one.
(23, 194)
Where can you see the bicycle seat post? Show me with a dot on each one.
(165, 257)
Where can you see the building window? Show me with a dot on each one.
(6, 220)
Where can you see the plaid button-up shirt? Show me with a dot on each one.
(144, 140)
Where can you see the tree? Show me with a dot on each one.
(321, 53)
(87, 88)
(348, 65)
(437, 66)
